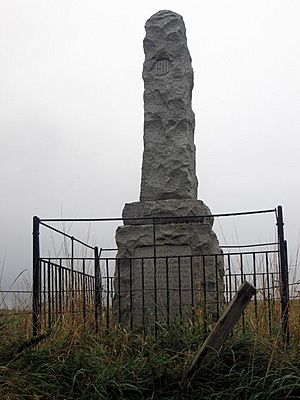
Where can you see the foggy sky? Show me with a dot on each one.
(71, 111)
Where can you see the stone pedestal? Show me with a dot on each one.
(179, 277)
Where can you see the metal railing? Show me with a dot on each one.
(160, 290)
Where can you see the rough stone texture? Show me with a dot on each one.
(178, 291)
(198, 235)
(188, 269)
(166, 209)
(168, 170)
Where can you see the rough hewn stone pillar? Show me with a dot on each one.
(168, 170)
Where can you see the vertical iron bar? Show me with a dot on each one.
(254, 284)
(179, 288)
(84, 291)
(273, 284)
(78, 291)
(168, 291)
(67, 289)
(226, 288)
(283, 263)
(52, 289)
(72, 274)
(242, 268)
(56, 291)
(130, 294)
(143, 293)
(230, 277)
(97, 288)
(112, 289)
(49, 294)
(155, 277)
(107, 294)
(287, 294)
(235, 284)
(60, 288)
(242, 281)
(273, 288)
(192, 289)
(204, 295)
(44, 293)
(217, 286)
(92, 300)
(75, 291)
(36, 279)
(92, 294)
(119, 290)
(88, 292)
(268, 294)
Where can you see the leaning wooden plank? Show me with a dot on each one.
(223, 327)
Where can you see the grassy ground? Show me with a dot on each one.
(72, 364)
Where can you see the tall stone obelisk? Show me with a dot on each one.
(161, 271)
(168, 170)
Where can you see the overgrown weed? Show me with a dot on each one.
(78, 364)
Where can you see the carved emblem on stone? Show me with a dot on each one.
(162, 67)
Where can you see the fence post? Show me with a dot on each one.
(97, 288)
(72, 276)
(284, 277)
(36, 279)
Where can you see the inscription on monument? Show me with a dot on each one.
(162, 67)
(165, 282)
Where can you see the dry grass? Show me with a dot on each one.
(75, 363)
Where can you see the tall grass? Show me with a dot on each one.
(73, 363)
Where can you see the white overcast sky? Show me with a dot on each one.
(71, 110)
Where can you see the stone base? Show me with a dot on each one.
(180, 277)
(166, 209)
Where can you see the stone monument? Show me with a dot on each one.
(167, 266)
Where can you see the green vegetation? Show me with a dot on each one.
(75, 364)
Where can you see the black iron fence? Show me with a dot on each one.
(156, 292)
